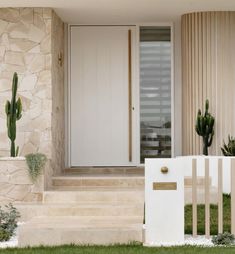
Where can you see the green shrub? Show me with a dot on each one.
(36, 162)
(229, 149)
(223, 239)
(4, 235)
(8, 221)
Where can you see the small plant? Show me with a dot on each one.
(8, 222)
(205, 127)
(229, 149)
(36, 162)
(13, 111)
(223, 239)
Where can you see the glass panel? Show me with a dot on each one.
(155, 92)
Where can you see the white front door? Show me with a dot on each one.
(99, 95)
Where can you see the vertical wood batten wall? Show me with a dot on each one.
(208, 71)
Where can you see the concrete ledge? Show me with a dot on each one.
(15, 183)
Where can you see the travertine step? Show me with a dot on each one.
(28, 211)
(105, 170)
(200, 181)
(103, 180)
(105, 195)
(201, 195)
(80, 230)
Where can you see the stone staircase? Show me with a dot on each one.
(87, 206)
(92, 206)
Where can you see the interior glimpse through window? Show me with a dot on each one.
(155, 92)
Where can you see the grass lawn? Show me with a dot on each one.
(131, 249)
(213, 217)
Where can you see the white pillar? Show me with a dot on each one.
(164, 202)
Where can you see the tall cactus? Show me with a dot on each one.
(205, 127)
(13, 111)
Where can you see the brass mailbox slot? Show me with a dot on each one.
(164, 186)
(164, 170)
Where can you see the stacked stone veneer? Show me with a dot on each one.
(31, 40)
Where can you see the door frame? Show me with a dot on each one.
(135, 90)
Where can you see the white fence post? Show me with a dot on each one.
(194, 196)
(207, 198)
(220, 196)
(233, 196)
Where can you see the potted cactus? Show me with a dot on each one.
(14, 112)
(205, 127)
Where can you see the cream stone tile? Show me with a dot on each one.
(16, 58)
(5, 188)
(35, 49)
(5, 85)
(45, 147)
(21, 45)
(4, 177)
(18, 192)
(35, 109)
(47, 13)
(26, 15)
(26, 98)
(18, 30)
(42, 93)
(47, 104)
(33, 197)
(3, 25)
(44, 77)
(20, 177)
(2, 52)
(5, 41)
(10, 14)
(38, 21)
(25, 31)
(48, 62)
(48, 26)
(34, 137)
(28, 148)
(38, 10)
(37, 64)
(28, 83)
(45, 45)
(36, 34)
(20, 69)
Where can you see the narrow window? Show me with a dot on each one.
(155, 92)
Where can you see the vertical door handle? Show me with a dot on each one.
(130, 93)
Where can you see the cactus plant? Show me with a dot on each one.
(229, 149)
(14, 112)
(205, 127)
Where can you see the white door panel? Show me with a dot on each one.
(99, 96)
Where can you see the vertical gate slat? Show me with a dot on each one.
(220, 196)
(232, 196)
(194, 196)
(207, 198)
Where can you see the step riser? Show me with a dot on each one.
(51, 237)
(28, 213)
(96, 196)
(99, 183)
(200, 182)
(106, 170)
